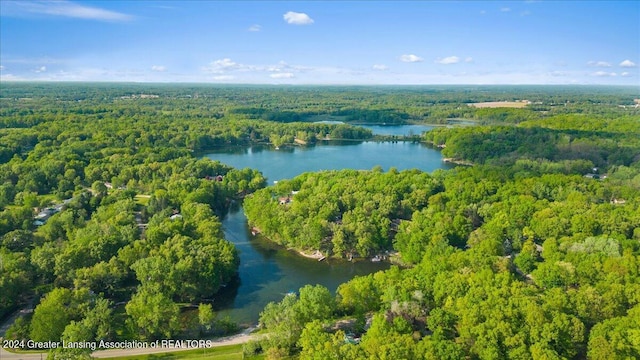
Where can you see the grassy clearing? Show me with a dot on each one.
(142, 199)
(500, 104)
(230, 352)
(48, 199)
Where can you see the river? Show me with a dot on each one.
(267, 272)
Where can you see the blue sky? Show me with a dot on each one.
(322, 42)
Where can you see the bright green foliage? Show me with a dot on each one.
(95, 326)
(189, 259)
(522, 257)
(153, 314)
(51, 316)
(616, 338)
(561, 138)
(343, 213)
(15, 276)
(59, 308)
(206, 316)
(286, 320)
(388, 339)
(316, 344)
(527, 258)
(359, 295)
(520, 282)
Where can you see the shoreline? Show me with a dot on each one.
(319, 256)
(457, 162)
(316, 255)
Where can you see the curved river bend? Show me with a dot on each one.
(267, 272)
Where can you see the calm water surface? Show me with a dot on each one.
(398, 130)
(267, 272)
(288, 162)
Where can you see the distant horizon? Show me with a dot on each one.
(98, 82)
(527, 42)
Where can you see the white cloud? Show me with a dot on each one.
(558, 73)
(41, 69)
(225, 63)
(449, 60)
(227, 69)
(468, 59)
(599, 63)
(224, 77)
(380, 67)
(2, 67)
(278, 67)
(286, 75)
(525, 13)
(626, 74)
(255, 28)
(410, 58)
(282, 67)
(158, 68)
(505, 9)
(65, 9)
(628, 64)
(603, 74)
(11, 77)
(297, 18)
(221, 66)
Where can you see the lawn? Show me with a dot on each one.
(230, 352)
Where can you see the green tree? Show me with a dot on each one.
(206, 317)
(527, 258)
(154, 314)
(56, 310)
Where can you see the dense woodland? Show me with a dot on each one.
(110, 222)
(345, 213)
(519, 256)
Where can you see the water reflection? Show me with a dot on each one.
(267, 272)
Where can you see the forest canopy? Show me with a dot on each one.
(110, 219)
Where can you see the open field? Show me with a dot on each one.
(142, 199)
(500, 104)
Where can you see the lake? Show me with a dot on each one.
(267, 272)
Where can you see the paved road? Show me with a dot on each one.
(12, 318)
(240, 338)
(5, 355)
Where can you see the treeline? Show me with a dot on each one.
(355, 115)
(509, 263)
(603, 141)
(358, 104)
(345, 213)
(135, 135)
(505, 115)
